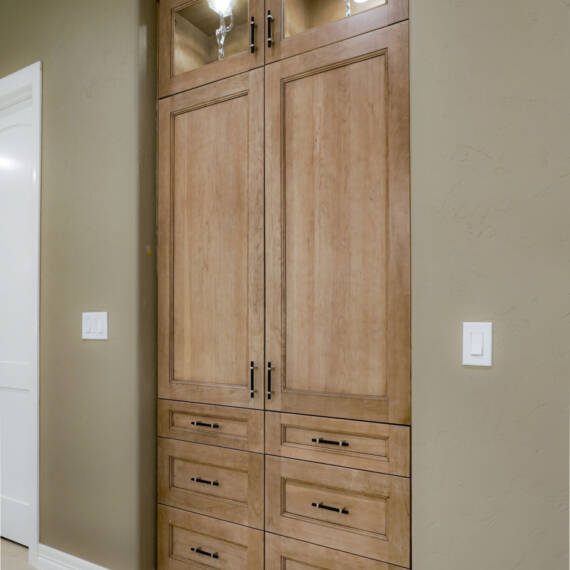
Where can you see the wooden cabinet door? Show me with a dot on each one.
(189, 54)
(360, 512)
(210, 241)
(214, 481)
(188, 541)
(337, 229)
(298, 26)
(285, 553)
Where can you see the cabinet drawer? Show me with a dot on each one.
(364, 513)
(360, 445)
(214, 481)
(281, 552)
(214, 425)
(187, 541)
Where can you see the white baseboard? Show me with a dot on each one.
(51, 559)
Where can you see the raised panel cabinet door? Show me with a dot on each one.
(287, 554)
(370, 446)
(236, 428)
(338, 230)
(214, 481)
(359, 512)
(201, 41)
(210, 243)
(298, 26)
(187, 541)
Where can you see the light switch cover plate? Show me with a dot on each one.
(477, 344)
(94, 326)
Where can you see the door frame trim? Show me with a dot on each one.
(24, 85)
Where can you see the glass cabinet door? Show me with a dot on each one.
(296, 26)
(205, 40)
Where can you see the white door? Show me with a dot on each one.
(19, 272)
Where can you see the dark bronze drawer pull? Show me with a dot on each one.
(269, 28)
(252, 379)
(330, 442)
(339, 510)
(203, 552)
(205, 481)
(252, 35)
(269, 369)
(198, 423)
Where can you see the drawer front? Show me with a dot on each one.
(285, 553)
(364, 513)
(237, 428)
(360, 445)
(214, 481)
(187, 541)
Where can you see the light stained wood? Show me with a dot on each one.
(309, 13)
(210, 242)
(198, 49)
(333, 317)
(237, 547)
(287, 554)
(337, 238)
(370, 446)
(377, 520)
(236, 428)
(238, 495)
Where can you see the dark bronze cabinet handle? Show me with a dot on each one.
(198, 423)
(252, 35)
(339, 510)
(205, 481)
(252, 379)
(200, 550)
(269, 369)
(319, 440)
(269, 29)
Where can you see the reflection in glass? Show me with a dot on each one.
(302, 15)
(209, 30)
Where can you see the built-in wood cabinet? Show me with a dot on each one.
(284, 285)
(337, 229)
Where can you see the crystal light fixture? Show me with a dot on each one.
(224, 10)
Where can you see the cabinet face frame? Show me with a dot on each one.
(394, 407)
(390, 13)
(169, 84)
(249, 85)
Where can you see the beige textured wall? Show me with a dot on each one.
(97, 398)
(491, 241)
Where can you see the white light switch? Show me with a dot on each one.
(477, 344)
(94, 326)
